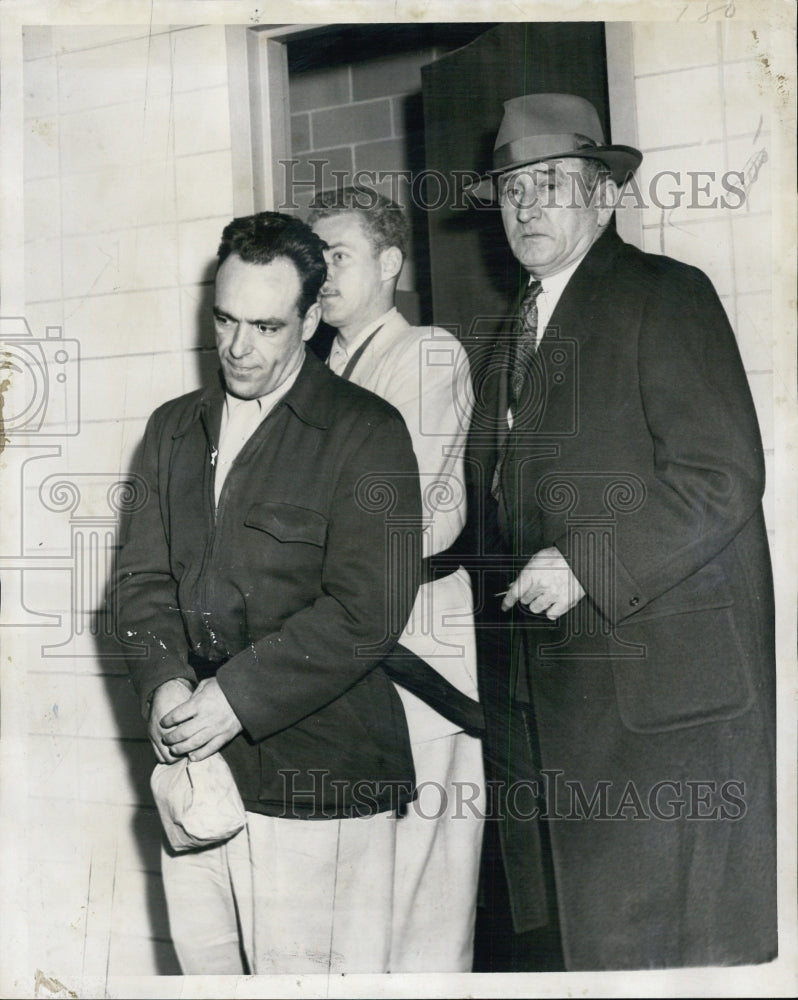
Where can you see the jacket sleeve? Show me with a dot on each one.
(369, 581)
(706, 477)
(144, 589)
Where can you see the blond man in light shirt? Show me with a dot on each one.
(423, 372)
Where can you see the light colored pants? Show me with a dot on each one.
(438, 846)
(286, 896)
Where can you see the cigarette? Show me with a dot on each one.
(501, 593)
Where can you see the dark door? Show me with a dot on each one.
(473, 273)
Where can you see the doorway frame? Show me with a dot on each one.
(260, 112)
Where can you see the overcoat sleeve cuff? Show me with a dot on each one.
(605, 579)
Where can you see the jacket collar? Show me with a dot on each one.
(309, 399)
(571, 316)
(578, 300)
(601, 255)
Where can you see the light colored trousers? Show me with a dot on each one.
(285, 896)
(438, 846)
(374, 894)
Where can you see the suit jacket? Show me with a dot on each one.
(424, 373)
(289, 592)
(636, 452)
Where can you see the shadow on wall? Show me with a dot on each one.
(207, 365)
(136, 752)
(413, 124)
(145, 825)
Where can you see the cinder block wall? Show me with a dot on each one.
(703, 111)
(128, 182)
(366, 115)
(360, 116)
(127, 186)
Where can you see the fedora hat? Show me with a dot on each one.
(538, 127)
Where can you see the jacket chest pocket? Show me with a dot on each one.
(288, 523)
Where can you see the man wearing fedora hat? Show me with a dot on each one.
(628, 678)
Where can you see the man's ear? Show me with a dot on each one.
(607, 200)
(391, 261)
(310, 321)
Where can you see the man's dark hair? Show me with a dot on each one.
(269, 236)
(384, 221)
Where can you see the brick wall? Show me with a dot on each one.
(362, 116)
(367, 115)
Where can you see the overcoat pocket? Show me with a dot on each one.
(694, 668)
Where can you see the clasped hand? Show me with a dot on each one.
(196, 726)
(546, 585)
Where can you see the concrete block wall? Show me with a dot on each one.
(359, 116)
(366, 115)
(128, 183)
(703, 114)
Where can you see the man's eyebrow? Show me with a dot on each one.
(336, 246)
(542, 169)
(276, 321)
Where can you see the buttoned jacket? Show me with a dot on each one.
(636, 452)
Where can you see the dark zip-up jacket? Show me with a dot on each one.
(291, 592)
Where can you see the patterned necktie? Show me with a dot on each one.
(525, 348)
(526, 344)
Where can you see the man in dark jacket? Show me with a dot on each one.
(630, 680)
(273, 566)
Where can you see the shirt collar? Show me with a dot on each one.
(266, 402)
(349, 349)
(553, 284)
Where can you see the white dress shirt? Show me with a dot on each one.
(551, 288)
(341, 352)
(240, 419)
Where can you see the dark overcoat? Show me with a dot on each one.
(637, 453)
